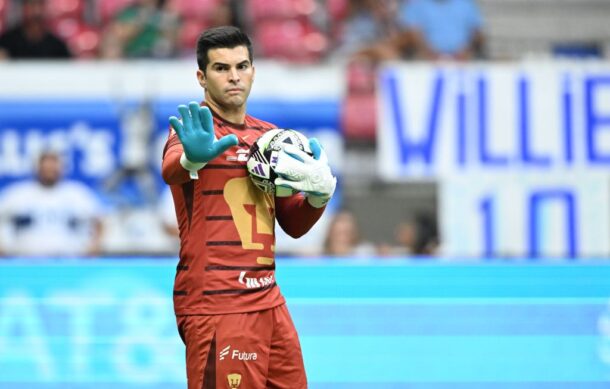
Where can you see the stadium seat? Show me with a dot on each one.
(291, 40)
(82, 40)
(4, 5)
(279, 9)
(359, 117)
(65, 27)
(189, 33)
(85, 44)
(360, 77)
(337, 9)
(59, 9)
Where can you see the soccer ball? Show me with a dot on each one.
(263, 158)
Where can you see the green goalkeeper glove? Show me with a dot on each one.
(196, 133)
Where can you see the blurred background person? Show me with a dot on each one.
(50, 216)
(430, 30)
(32, 38)
(133, 183)
(367, 22)
(144, 29)
(343, 237)
(441, 29)
(416, 236)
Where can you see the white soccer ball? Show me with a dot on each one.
(263, 158)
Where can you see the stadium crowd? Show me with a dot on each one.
(295, 30)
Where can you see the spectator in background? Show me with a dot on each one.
(343, 237)
(49, 216)
(367, 22)
(431, 30)
(145, 29)
(442, 29)
(416, 236)
(32, 38)
(137, 129)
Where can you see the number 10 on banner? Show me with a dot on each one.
(526, 215)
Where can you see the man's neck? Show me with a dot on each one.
(235, 115)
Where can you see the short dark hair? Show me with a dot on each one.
(219, 38)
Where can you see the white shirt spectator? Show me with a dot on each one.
(38, 220)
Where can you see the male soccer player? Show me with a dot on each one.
(230, 313)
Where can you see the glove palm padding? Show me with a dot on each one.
(196, 133)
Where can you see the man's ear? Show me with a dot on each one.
(201, 78)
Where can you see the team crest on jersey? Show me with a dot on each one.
(234, 380)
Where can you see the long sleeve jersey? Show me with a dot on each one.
(227, 227)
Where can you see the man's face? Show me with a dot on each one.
(34, 11)
(228, 77)
(49, 170)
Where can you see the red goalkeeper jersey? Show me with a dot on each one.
(227, 261)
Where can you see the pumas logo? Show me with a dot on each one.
(236, 354)
(242, 156)
(252, 282)
(234, 380)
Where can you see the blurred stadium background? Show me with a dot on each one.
(479, 191)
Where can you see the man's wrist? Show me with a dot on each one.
(192, 167)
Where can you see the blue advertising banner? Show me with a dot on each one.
(89, 133)
(116, 148)
(363, 324)
(110, 122)
(520, 151)
(436, 121)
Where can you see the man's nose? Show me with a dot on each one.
(233, 75)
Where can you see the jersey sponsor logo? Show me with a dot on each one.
(224, 352)
(242, 156)
(234, 380)
(233, 354)
(255, 282)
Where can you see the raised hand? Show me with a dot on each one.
(196, 133)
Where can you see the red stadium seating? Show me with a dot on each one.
(359, 117)
(85, 43)
(189, 32)
(66, 27)
(360, 77)
(59, 9)
(291, 40)
(3, 14)
(82, 40)
(337, 9)
(279, 9)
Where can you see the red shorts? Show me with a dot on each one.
(252, 350)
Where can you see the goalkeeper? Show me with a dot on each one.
(230, 312)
